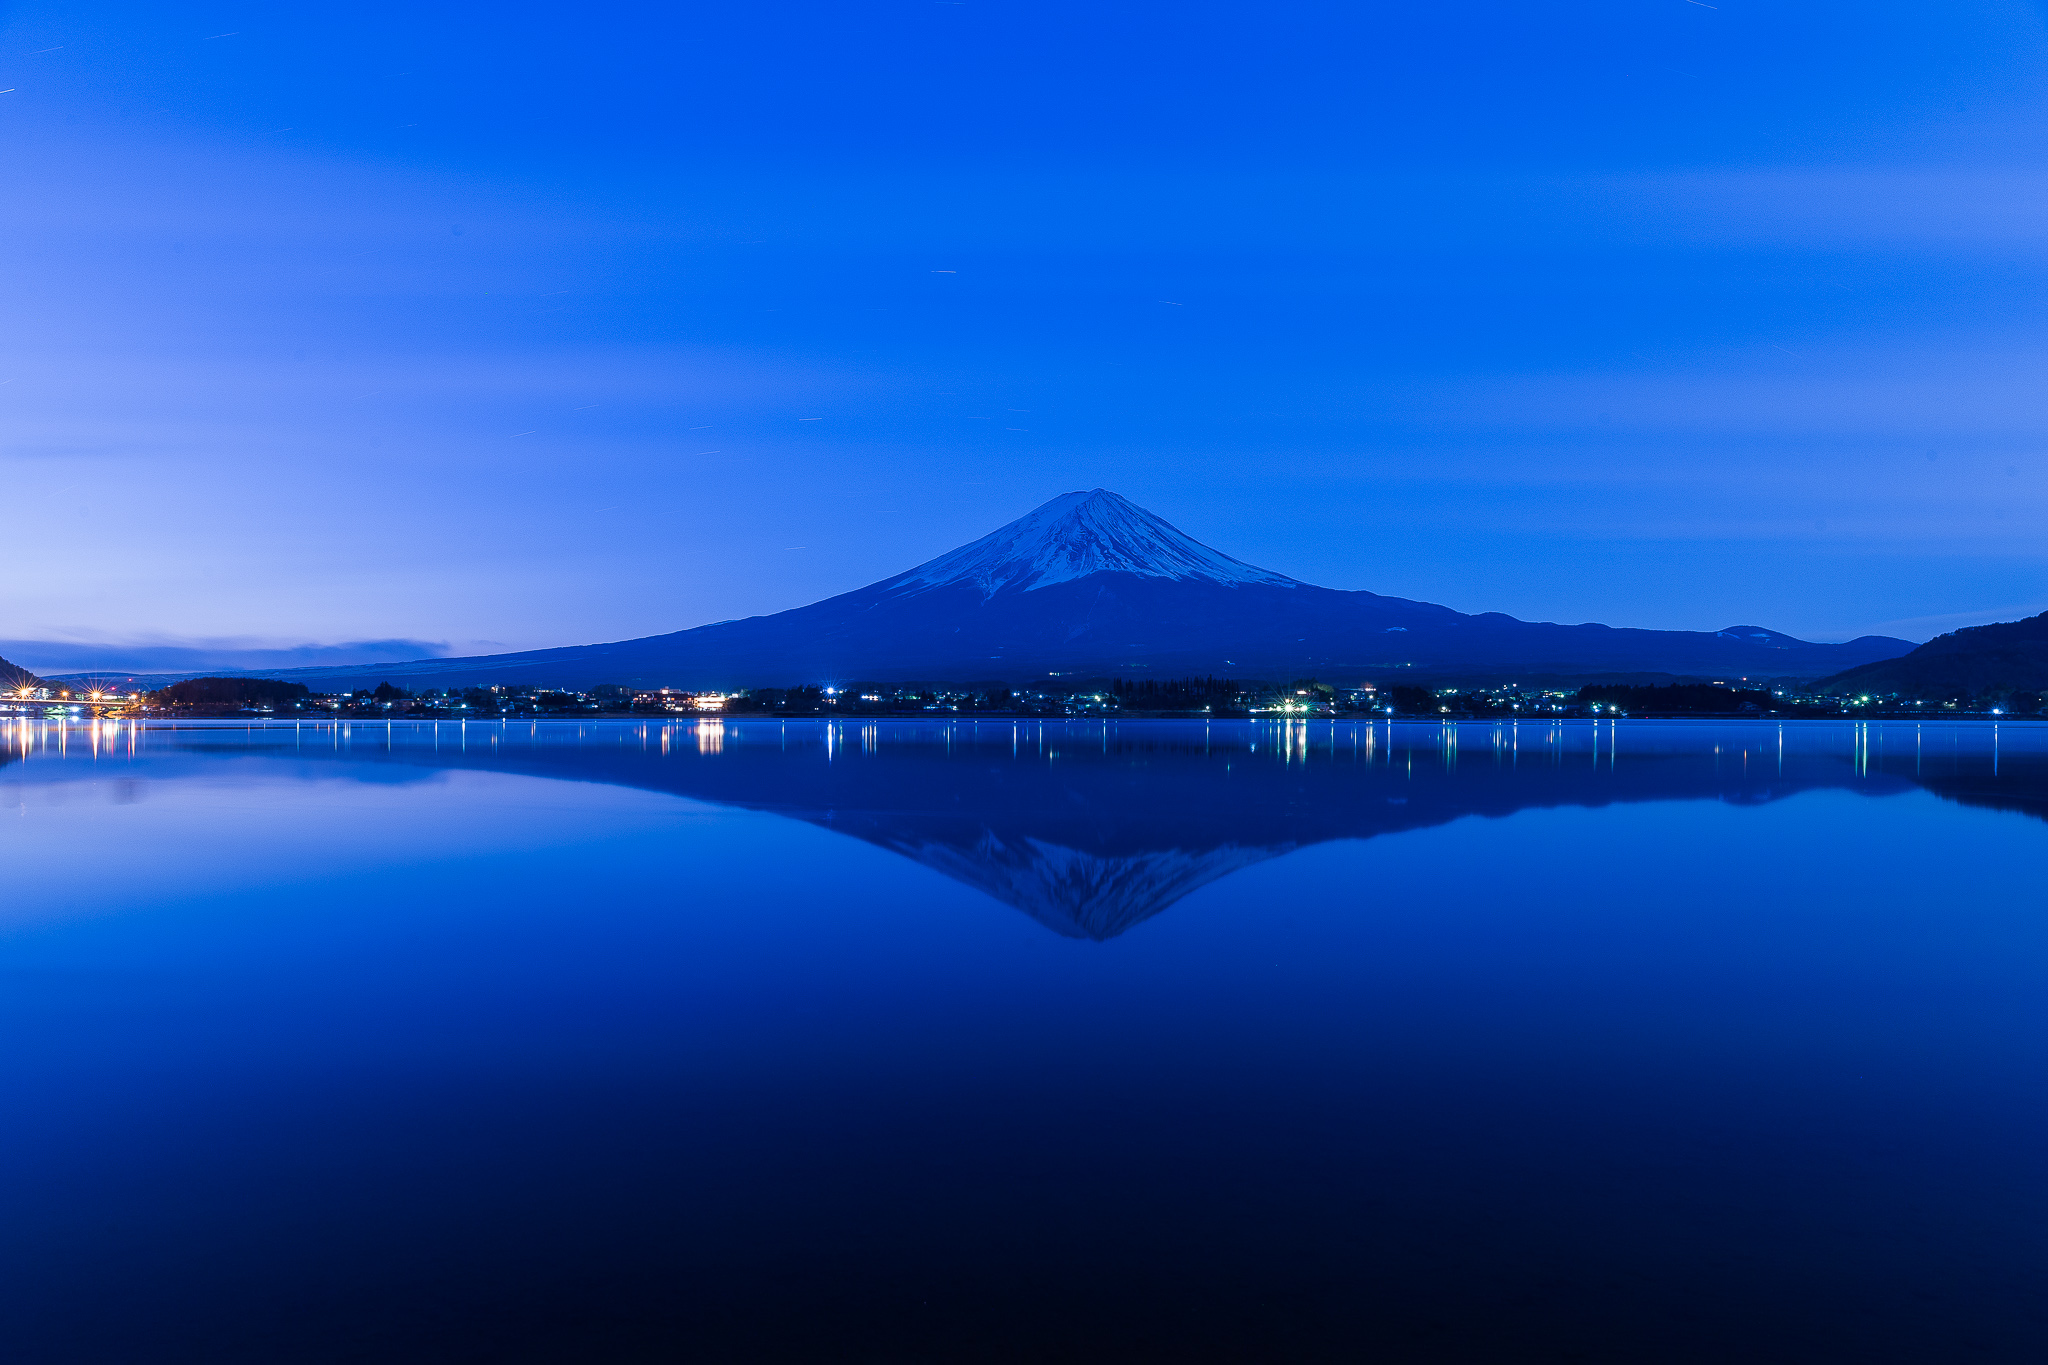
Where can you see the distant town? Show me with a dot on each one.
(223, 698)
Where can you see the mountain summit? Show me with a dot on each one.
(1073, 536)
(1091, 584)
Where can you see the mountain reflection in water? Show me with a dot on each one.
(1094, 827)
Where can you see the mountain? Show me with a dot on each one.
(14, 675)
(1979, 661)
(1091, 584)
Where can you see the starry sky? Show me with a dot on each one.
(370, 331)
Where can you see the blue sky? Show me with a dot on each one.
(514, 326)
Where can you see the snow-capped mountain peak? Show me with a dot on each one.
(1074, 535)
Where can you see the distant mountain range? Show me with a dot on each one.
(1980, 661)
(1092, 585)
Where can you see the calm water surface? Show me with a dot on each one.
(903, 1041)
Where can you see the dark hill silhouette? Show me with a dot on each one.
(229, 691)
(1977, 661)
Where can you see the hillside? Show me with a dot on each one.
(14, 675)
(1976, 662)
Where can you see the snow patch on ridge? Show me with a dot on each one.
(1073, 536)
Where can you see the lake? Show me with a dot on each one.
(1151, 1041)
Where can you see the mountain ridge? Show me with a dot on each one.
(14, 675)
(1090, 584)
(2004, 656)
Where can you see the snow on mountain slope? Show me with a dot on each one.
(1074, 535)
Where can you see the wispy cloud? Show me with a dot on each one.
(184, 656)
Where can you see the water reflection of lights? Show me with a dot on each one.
(1294, 738)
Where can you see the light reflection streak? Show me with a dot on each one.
(105, 739)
